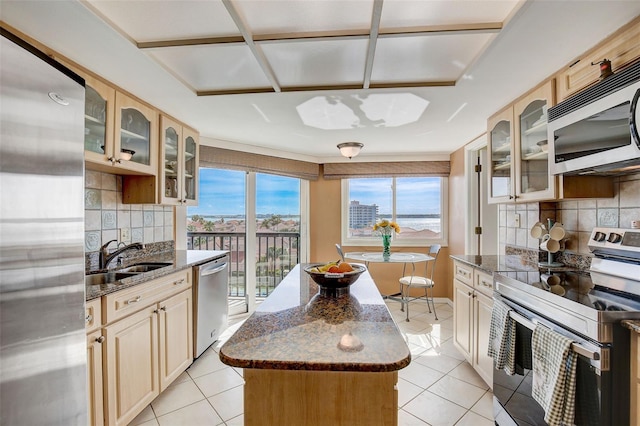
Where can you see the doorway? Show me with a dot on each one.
(481, 224)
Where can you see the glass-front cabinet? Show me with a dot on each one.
(533, 180)
(120, 134)
(501, 151)
(179, 170)
(135, 144)
(98, 121)
(517, 138)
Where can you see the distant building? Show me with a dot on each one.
(362, 215)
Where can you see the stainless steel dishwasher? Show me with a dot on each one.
(210, 304)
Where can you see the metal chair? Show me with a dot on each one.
(415, 281)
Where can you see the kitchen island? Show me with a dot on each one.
(311, 359)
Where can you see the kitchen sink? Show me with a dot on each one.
(106, 277)
(145, 267)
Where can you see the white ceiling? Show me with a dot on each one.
(409, 79)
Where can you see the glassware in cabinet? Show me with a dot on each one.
(191, 164)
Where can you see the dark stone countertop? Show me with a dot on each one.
(633, 325)
(180, 259)
(494, 263)
(296, 328)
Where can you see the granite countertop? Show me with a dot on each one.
(633, 325)
(297, 328)
(494, 263)
(180, 259)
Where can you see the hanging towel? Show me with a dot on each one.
(554, 375)
(502, 338)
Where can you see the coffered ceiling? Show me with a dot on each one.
(407, 78)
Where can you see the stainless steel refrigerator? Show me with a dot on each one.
(42, 339)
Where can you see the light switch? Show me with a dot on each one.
(516, 220)
(125, 234)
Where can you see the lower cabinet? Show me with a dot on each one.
(472, 305)
(148, 343)
(95, 339)
(635, 379)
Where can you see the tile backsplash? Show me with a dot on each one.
(106, 215)
(577, 217)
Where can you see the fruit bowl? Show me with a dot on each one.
(335, 279)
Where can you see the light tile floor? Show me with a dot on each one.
(437, 388)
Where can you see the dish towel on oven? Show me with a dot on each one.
(502, 338)
(554, 375)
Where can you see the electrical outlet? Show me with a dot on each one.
(516, 220)
(125, 234)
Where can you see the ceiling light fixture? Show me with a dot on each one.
(350, 149)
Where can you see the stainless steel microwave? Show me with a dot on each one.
(596, 131)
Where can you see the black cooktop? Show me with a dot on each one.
(575, 285)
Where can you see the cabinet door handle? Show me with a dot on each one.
(164, 308)
(179, 282)
(136, 300)
(469, 294)
(100, 339)
(88, 319)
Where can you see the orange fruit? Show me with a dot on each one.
(333, 269)
(345, 267)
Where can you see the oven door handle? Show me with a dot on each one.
(576, 347)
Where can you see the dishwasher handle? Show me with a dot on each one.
(205, 272)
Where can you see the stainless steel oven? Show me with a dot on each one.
(587, 307)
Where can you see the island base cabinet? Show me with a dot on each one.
(94, 379)
(308, 398)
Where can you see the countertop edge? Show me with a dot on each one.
(316, 366)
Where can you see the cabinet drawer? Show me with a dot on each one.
(463, 272)
(483, 282)
(92, 315)
(122, 303)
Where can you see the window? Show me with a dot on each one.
(417, 204)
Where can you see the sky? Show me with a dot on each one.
(222, 193)
(414, 195)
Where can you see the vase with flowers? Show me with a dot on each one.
(386, 228)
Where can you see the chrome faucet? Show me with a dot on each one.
(106, 257)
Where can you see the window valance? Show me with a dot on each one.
(391, 169)
(222, 158)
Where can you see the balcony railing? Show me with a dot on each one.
(277, 254)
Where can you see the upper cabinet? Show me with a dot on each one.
(120, 132)
(179, 163)
(622, 49)
(99, 110)
(500, 132)
(136, 135)
(533, 180)
(519, 163)
(517, 142)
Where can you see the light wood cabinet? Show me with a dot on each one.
(132, 380)
(519, 162)
(177, 177)
(178, 163)
(95, 402)
(148, 343)
(117, 124)
(472, 305)
(176, 336)
(622, 48)
(137, 132)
